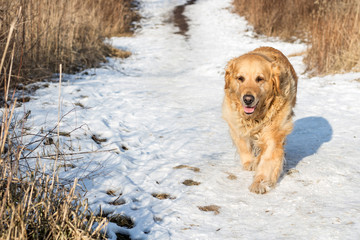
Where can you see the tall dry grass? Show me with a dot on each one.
(331, 27)
(67, 32)
(36, 36)
(283, 18)
(35, 204)
(335, 37)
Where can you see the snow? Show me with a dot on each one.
(161, 108)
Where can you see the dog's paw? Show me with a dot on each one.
(260, 186)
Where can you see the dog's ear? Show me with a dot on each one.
(275, 78)
(228, 72)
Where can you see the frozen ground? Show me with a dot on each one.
(159, 115)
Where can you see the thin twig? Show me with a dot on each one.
(50, 132)
(12, 27)
(51, 156)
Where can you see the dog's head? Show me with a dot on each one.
(253, 80)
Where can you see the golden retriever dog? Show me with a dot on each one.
(260, 93)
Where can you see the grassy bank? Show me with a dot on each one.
(36, 37)
(35, 204)
(68, 32)
(331, 28)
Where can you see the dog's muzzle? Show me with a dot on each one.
(249, 104)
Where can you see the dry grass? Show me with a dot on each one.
(37, 36)
(34, 204)
(71, 33)
(335, 37)
(39, 207)
(276, 17)
(330, 27)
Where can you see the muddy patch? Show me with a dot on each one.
(231, 176)
(195, 169)
(210, 208)
(111, 192)
(122, 221)
(292, 172)
(180, 20)
(118, 202)
(190, 182)
(163, 196)
(120, 236)
(97, 139)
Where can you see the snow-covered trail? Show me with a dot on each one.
(161, 109)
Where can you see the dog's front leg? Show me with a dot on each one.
(270, 165)
(244, 149)
(246, 154)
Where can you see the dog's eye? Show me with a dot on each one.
(259, 79)
(241, 79)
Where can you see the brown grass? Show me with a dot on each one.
(276, 17)
(330, 27)
(67, 32)
(335, 38)
(35, 204)
(37, 36)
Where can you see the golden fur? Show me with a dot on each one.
(260, 92)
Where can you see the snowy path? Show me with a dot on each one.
(161, 109)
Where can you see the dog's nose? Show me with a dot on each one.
(248, 99)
